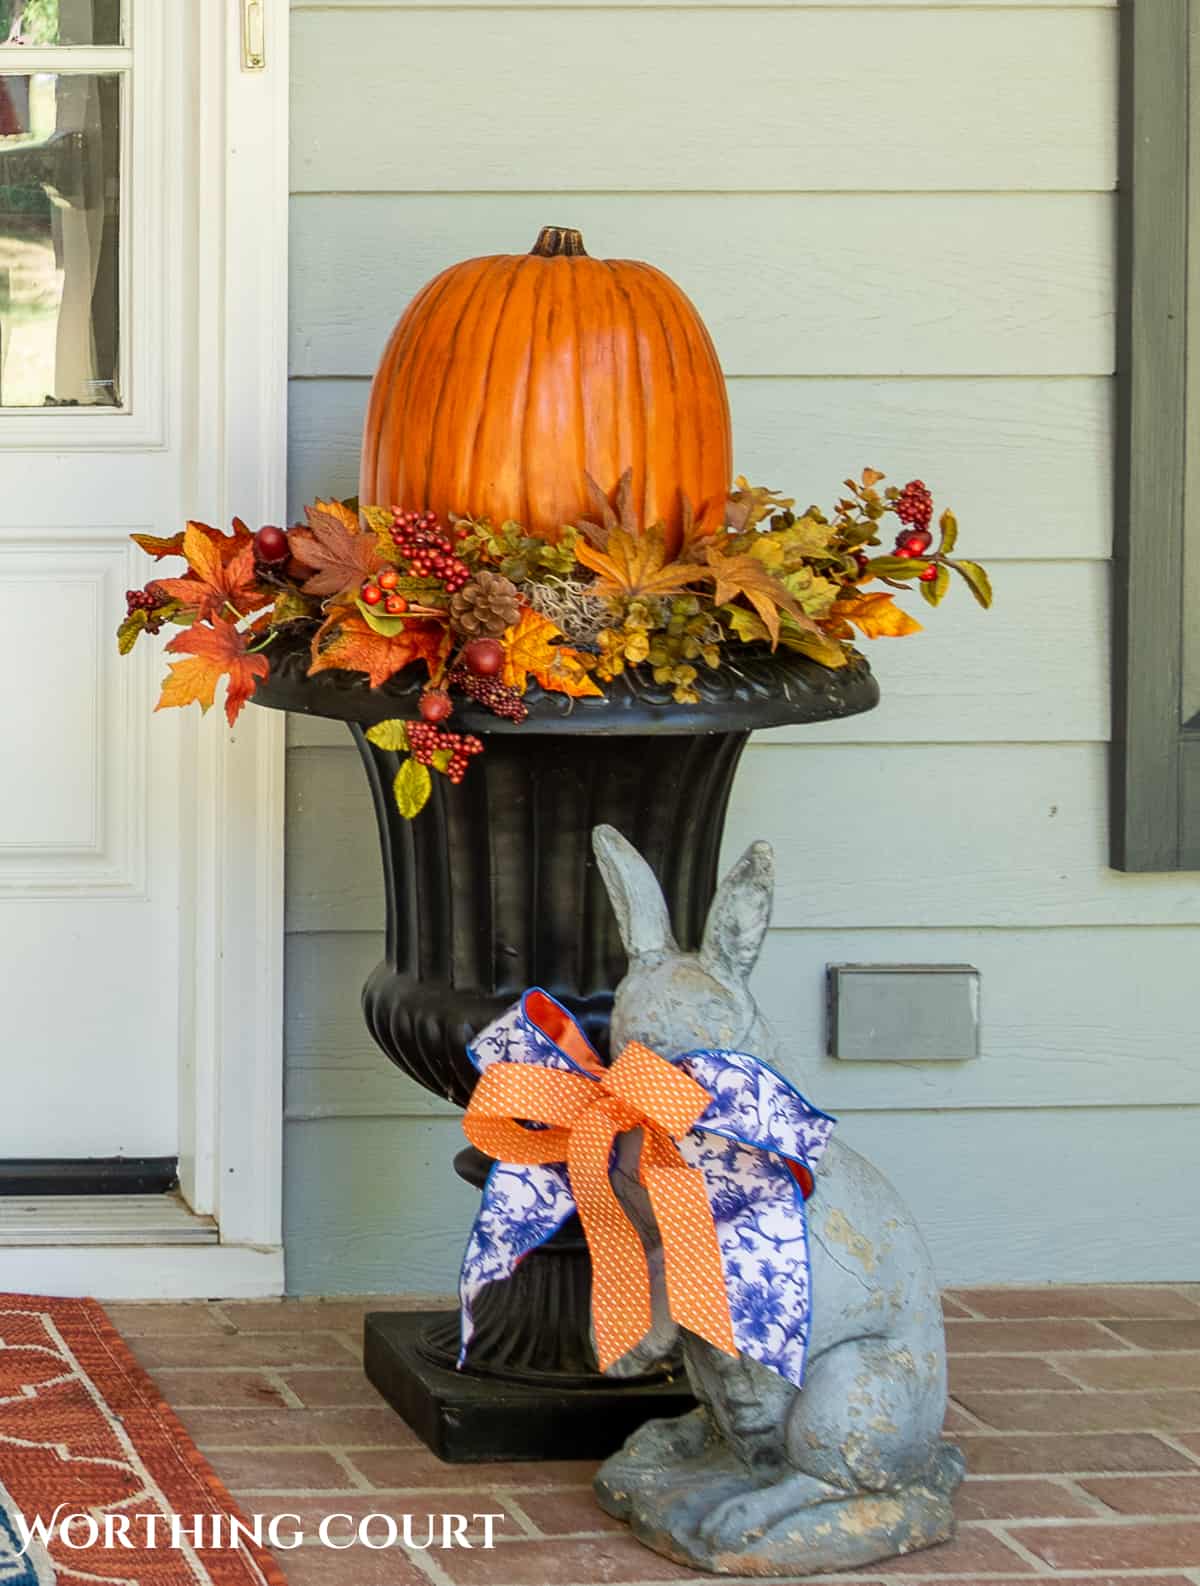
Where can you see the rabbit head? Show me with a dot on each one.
(674, 1001)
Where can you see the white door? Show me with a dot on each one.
(141, 379)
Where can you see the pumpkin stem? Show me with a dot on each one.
(554, 241)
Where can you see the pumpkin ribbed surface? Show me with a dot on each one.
(509, 378)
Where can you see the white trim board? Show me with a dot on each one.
(144, 1272)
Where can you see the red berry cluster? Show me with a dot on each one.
(421, 541)
(914, 504)
(425, 739)
(383, 588)
(147, 600)
(491, 693)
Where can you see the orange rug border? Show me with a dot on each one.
(174, 1460)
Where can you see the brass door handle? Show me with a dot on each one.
(254, 40)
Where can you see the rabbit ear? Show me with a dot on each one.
(741, 912)
(637, 899)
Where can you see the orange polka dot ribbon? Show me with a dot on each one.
(726, 1157)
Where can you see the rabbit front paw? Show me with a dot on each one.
(742, 1519)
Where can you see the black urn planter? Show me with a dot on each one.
(492, 889)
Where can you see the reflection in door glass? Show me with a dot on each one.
(59, 239)
(41, 22)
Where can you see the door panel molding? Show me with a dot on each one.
(93, 752)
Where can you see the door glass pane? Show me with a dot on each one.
(59, 239)
(41, 22)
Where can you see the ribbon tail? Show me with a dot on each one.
(521, 1207)
(692, 1264)
(762, 1231)
(621, 1310)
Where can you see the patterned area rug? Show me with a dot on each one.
(84, 1433)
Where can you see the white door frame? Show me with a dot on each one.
(234, 410)
(231, 1129)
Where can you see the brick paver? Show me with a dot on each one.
(1078, 1410)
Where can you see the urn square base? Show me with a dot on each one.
(469, 1419)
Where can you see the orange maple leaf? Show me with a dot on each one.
(221, 574)
(216, 652)
(344, 642)
(341, 552)
(172, 544)
(877, 615)
(530, 649)
(739, 573)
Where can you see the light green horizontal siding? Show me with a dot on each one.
(724, 5)
(1059, 1028)
(895, 836)
(817, 284)
(922, 282)
(746, 100)
(1036, 1196)
(1041, 437)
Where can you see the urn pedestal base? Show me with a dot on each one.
(467, 1418)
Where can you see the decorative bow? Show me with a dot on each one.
(728, 1149)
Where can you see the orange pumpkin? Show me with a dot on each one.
(509, 378)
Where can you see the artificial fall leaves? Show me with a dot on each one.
(341, 553)
(214, 653)
(347, 642)
(606, 597)
(221, 577)
(220, 588)
(531, 649)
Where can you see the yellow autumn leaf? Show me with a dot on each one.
(531, 650)
(877, 616)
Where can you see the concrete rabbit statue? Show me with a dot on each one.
(765, 1478)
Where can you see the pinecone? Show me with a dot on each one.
(485, 607)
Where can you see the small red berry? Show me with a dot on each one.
(918, 539)
(861, 563)
(271, 545)
(372, 594)
(435, 705)
(930, 573)
(389, 578)
(905, 550)
(484, 657)
(394, 605)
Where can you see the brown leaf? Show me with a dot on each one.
(338, 547)
(158, 547)
(697, 526)
(744, 575)
(345, 642)
(605, 518)
(215, 652)
(748, 504)
(636, 564)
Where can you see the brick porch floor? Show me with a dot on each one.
(1078, 1410)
